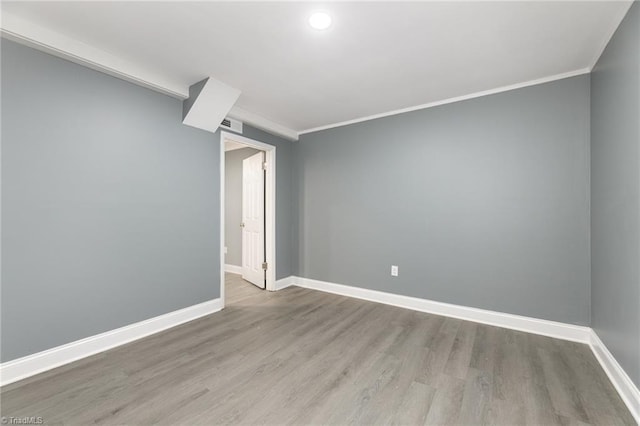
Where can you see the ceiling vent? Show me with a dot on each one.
(231, 124)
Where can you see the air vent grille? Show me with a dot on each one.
(231, 124)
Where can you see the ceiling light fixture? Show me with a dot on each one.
(320, 20)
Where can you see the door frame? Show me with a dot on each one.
(269, 206)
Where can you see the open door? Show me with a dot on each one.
(253, 219)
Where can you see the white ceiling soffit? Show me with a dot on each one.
(209, 102)
(66, 47)
(377, 58)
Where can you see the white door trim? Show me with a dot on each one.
(269, 203)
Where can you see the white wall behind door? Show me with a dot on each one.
(233, 203)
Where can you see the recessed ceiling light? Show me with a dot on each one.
(320, 20)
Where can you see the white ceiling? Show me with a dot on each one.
(377, 57)
(230, 145)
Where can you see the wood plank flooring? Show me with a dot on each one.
(300, 356)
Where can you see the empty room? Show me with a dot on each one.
(304, 213)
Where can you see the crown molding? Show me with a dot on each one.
(608, 36)
(263, 123)
(451, 100)
(35, 36)
(54, 43)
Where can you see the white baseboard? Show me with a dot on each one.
(559, 330)
(285, 282)
(234, 269)
(622, 382)
(30, 365)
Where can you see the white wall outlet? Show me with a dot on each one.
(225, 250)
(394, 270)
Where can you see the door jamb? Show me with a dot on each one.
(269, 203)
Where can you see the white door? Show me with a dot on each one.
(253, 219)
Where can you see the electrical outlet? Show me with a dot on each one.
(394, 270)
(225, 250)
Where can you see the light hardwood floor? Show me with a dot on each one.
(300, 356)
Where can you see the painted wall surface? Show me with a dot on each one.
(233, 203)
(110, 205)
(615, 195)
(481, 203)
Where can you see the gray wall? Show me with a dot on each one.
(615, 195)
(110, 206)
(233, 203)
(481, 203)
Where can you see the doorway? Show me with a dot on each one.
(248, 234)
(252, 217)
